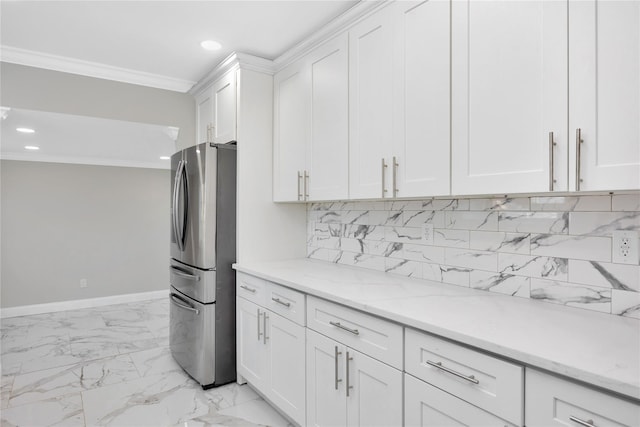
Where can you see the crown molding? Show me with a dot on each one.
(343, 22)
(93, 161)
(234, 61)
(91, 69)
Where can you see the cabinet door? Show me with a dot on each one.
(552, 401)
(428, 406)
(326, 404)
(328, 154)
(422, 137)
(374, 391)
(204, 115)
(370, 106)
(509, 90)
(604, 90)
(286, 366)
(224, 109)
(291, 130)
(251, 348)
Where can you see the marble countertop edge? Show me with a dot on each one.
(452, 312)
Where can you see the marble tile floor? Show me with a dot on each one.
(111, 366)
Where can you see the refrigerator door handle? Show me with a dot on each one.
(174, 204)
(184, 187)
(176, 300)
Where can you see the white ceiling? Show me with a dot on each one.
(66, 138)
(159, 37)
(144, 42)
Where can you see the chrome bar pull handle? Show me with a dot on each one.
(264, 328)
(588, 423)
(253, 291)
(299, 186)
(179, 272)
(439, 365)
(395, 176)
(175, 299)
(335, 358)
(579, 142)
(344, 328)
(306, 185)
(347, 373)
(279, 301)
(259, 333)
(551, 160)
(384, 167)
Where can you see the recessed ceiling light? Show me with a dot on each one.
(25, 130)
(210, 45)
(164, 157)
(31, 147)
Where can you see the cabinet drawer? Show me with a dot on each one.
(552, 401)
(428, 406)
(286, 302)
(373, 336)
(251, 288)
(484, 381)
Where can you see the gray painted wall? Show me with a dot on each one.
(61, 223)
(45, 90)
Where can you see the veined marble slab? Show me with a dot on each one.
(595, 348)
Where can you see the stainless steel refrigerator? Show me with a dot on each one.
(203, 247)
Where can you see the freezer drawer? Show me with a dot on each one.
(193, 282)
(192, 337)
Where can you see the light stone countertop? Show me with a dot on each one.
(596, 348)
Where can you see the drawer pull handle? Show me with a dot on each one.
(438, 365)
(253, 291)
(338, 325)
(279, 301)
(588, 423)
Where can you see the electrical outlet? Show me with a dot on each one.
(83, 283)
(625, 247)
(427, 233)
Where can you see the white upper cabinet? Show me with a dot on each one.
(509, 92)
(224, 109)
(312, 126)
(370, 106)
(328, 151)
(291, 124)
(204, 107)
(216, 111)
(420, 163)
(604, 94)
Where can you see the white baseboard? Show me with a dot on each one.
(25, 310)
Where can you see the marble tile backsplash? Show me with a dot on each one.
(552, 249)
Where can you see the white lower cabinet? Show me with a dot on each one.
(271, 356)
(428, 406)
(348, 388)
(251, 353)
(552, 401)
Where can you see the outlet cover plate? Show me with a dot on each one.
(625, 247)
(427, 234)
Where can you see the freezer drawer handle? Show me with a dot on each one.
(279, 301)
(253, 291)
(181, 273)
(338, 325)
(588, 423)
(438, 365)
(175, 298)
